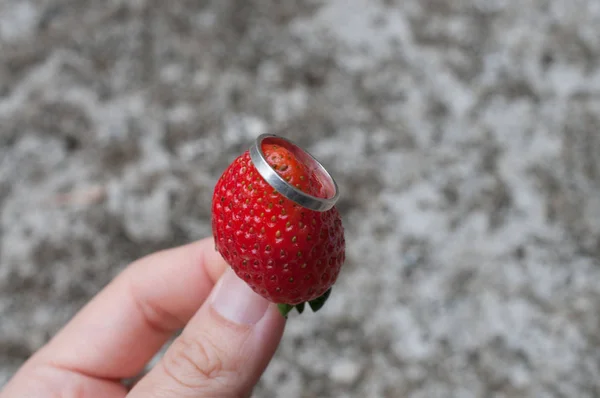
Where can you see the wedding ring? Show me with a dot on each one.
(282, 186)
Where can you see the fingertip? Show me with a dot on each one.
(215, 264)
(198, 256)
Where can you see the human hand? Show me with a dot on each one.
(230, 334)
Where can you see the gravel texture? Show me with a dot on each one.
(464, 135)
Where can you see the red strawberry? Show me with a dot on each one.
(285, 252)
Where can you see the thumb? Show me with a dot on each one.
(224, 349)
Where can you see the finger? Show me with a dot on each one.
(222, 351)
(121, 329)
(46, 381)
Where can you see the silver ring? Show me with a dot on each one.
(282, 186)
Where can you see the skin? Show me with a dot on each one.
(222, 350)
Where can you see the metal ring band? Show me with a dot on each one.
(282, 186)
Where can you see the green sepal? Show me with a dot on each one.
(284, 309)
(315, 305)
(318, 303)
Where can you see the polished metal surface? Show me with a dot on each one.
(282, 186)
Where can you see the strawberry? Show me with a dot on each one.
(286, 253)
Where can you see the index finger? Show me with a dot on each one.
(122, 328)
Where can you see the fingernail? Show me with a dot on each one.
(235, 301)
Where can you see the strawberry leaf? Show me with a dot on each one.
(300, 308)
(284, 309)
(318, 303)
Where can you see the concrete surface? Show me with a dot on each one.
(464, 134)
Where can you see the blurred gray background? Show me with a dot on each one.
(464, 136)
